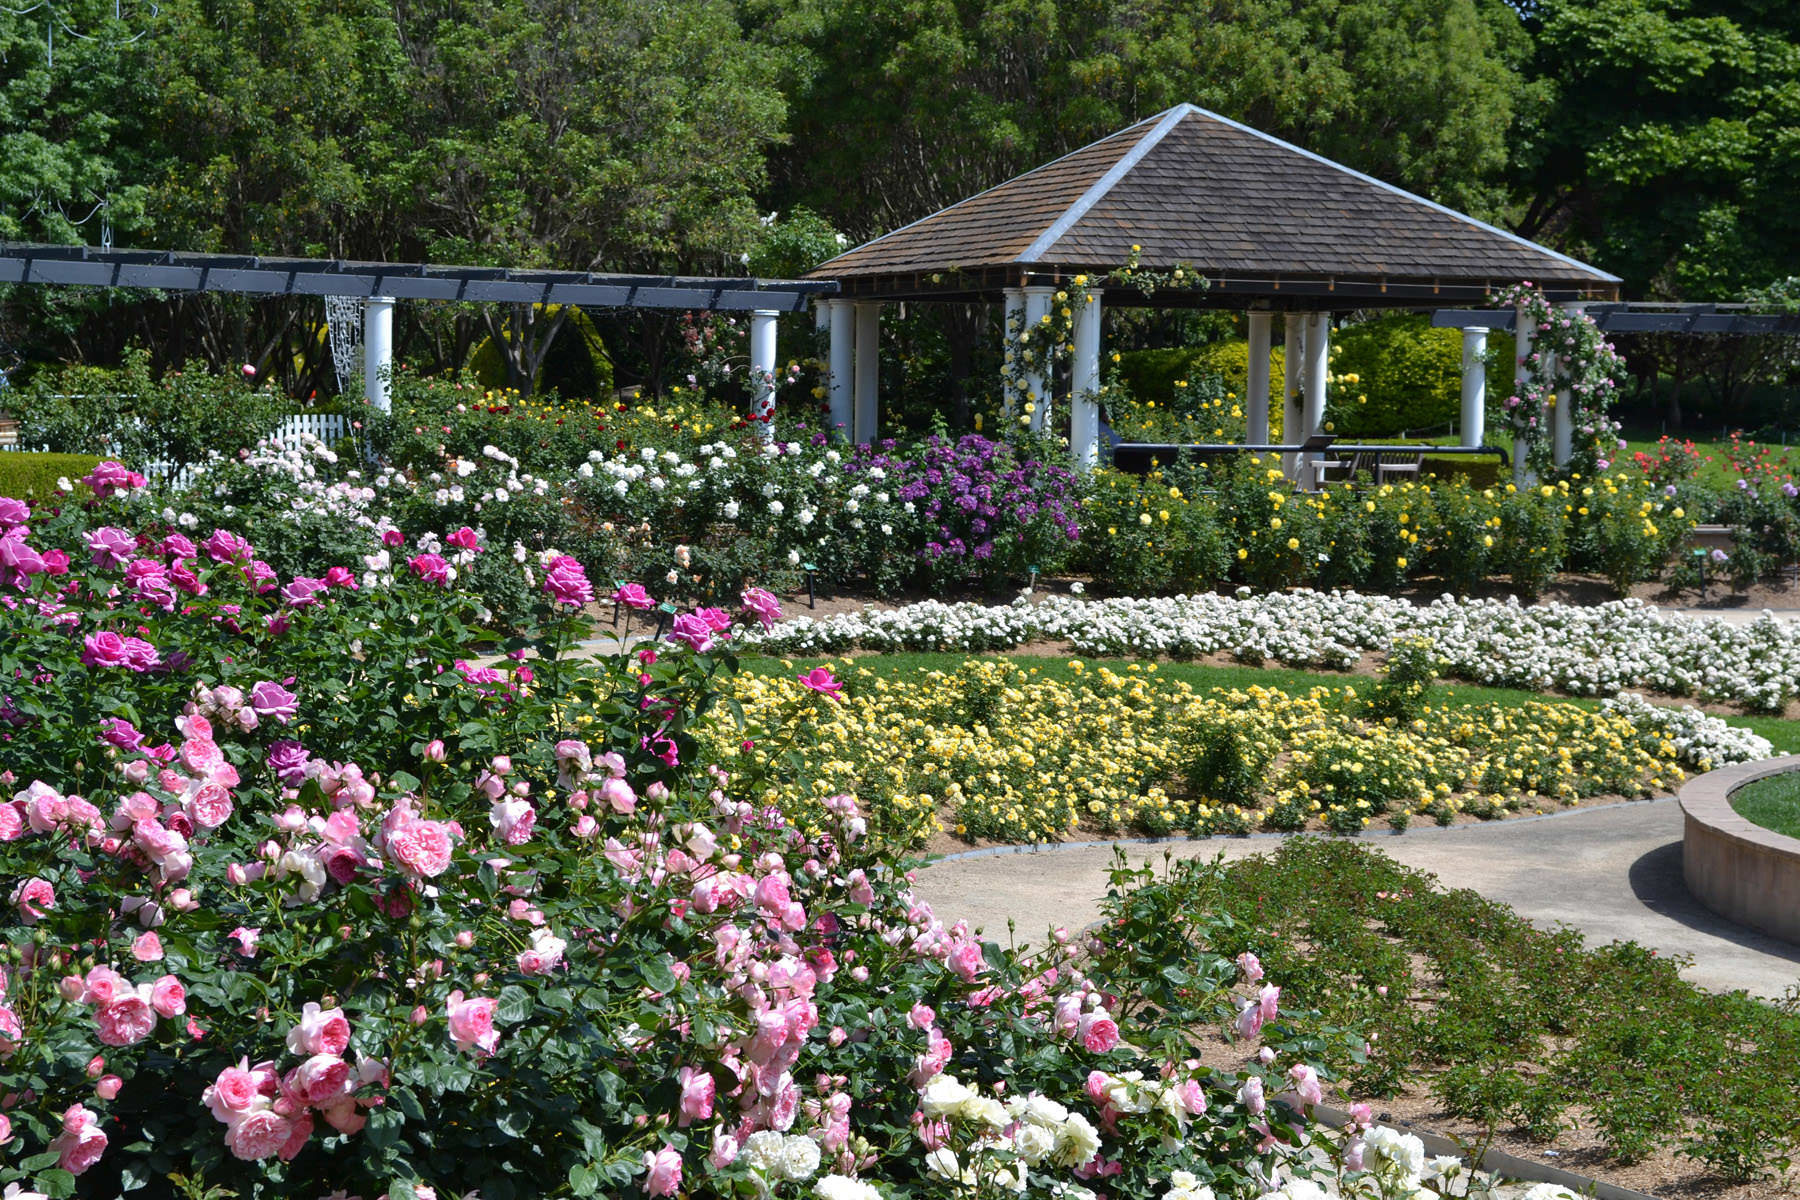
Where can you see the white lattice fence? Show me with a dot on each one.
(327, 427)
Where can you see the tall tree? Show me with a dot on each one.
(1667, 147)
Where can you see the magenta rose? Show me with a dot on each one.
(692, 631)
(822, 681)
(567, 583)
(633, 595)
(763, 605)
(302, 590)
(104, 649)
(271, 700)
(13, 512)
(432, 569)
(225, 546)
(463, 539)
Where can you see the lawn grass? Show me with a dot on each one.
(1784, 735)
(1715, 465)
(1773, 803)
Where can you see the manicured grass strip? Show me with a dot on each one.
(1773, 803)
(1784, 735)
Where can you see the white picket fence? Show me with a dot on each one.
(327, 427)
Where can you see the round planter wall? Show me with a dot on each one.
(1735, 867)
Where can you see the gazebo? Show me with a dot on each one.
(1271, 228)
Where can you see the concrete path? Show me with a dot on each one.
(1612, 872)
(1734, 616)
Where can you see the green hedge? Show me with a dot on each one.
(25, 475)
(1151, 374)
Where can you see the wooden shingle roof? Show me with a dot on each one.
(1244, 209)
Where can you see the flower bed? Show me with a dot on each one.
(1596, 650)
(988, 752)
(305, 904)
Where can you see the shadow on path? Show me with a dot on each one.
(1656, 881)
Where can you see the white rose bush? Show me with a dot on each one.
(303, 902)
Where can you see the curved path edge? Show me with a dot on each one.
(1737, 868)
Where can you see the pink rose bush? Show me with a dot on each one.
(303, 909)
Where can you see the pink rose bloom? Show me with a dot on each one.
(697, 1092)
(100, 986)
(512, 819)
(1249, 1020)
(340, 577)
(322, 1079)
(107, 1086)
(225, 546)
(393, 538)
(618, 796)
(201, 755)
(633, 595)
(302, 590)
(861, 891)
(692, 631)
(1251, 1095)
(1097, 1032)
(822, 681)
(1268, 1001)
(167, 996)
(13, 512)
(763, 605)
(147, 947)
(344, 1116)
(11, 1034)
(210, 807)
(1251, 966)
(967, 961)
(431, 568)
(12, 822)
(81, 1142)
(125, 1020)
(111, 546)
(257, 1135)
(1306, 1084)
(234, 1093)
(717, 619)
(246, 939)
(662, 1172)
(319, 1031)
(472, 1022)
(270, 699)
(421, 847)
(5, 1129)
(103, 650)
(463, 539)
(140, 655)
(35, 897)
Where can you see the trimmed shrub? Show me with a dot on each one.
(1402, 374)
(34, 476)
(1151, 374)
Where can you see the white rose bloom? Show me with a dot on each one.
(945, 1094)
(1077, 1141)
(620, 487)
(985, 1109)
(1034, 1143)
(762, 1150)
(776, 508)
(942, 1163)
(799, 1158)
(731, 510)
(1404, 1150)
(842, 1187)
(806, 516)
(793, 558)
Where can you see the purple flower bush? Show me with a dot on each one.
(307, 905)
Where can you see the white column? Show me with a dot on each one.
(1084, 384)
(1562, 424)
(1256, 385)
(1013, 320)
(1293, 361)
(839, 359)
(1038, 299)
(1318, 369)
(1474, 385)
(1522, 337)
(762, 371)
(378, 351)
(868, 369)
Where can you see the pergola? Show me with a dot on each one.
(380, 285)
(1271, 228)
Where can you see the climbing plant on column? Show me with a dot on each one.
(1568, 353)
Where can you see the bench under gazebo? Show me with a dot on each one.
(1270, 228)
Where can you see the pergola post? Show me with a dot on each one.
(868, 369)
(1084, 384)
(1474, 385)
(1293, 361)
(1522, 338)
(1038, 299)
(838, 366)
(1013, 320)
(762, 370)
(1562, 424)
(1318, 372)
(1256, 385)
(378, 352)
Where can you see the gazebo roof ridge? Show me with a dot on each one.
(1255, 214)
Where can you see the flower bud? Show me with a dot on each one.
(435, 752)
